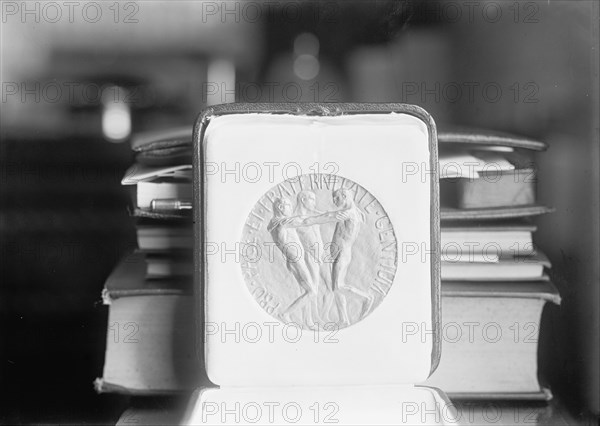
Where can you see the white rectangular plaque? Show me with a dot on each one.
(317, 239)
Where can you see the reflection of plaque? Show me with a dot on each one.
(320, 286)
(319, 251)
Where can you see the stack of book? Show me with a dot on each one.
(150, 333)
(494, 281)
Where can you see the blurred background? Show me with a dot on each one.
(78, 78)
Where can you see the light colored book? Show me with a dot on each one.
(151, 237)
(491, 239)
(490, 340)
(148, 345)
(524, 268)
(165, 267)
(470, 165)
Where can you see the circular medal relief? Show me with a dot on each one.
(319, 251)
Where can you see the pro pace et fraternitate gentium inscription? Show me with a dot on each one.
(319, 250)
